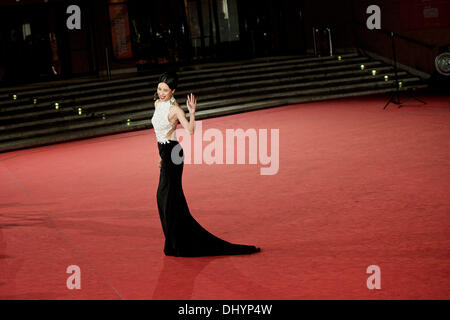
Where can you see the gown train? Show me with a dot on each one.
(184, 236)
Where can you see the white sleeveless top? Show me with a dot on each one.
(160, 121)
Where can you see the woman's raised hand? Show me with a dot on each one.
(191, 103)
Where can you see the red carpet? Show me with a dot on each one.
(357, 186)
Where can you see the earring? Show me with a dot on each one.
(155, 96)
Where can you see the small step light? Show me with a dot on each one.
(128, 122)
(386, 78)
(400, 84)
(374, 72)
(80, 111)
(56, 105)
(14, 96)
(362, 67)
(339, 58)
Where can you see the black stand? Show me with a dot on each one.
(395, 97)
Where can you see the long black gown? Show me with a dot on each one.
(184, 236)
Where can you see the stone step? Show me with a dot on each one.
(146, 111)
(126, 104)
(150, 81)
(209, 113)
(43, 112)
(186, 68)
(40, 88)
(200, 85)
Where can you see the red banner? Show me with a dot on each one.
(120, 31)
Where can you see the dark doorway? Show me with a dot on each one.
(272, 27)
(26, 50)
(159, 31)
(35, 44)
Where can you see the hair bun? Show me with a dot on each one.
(169, 78)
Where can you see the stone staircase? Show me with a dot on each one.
(47, 113)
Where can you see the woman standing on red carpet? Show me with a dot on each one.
(184, 236)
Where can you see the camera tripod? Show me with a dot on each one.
(395, 97)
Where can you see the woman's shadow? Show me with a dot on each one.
(177, 278)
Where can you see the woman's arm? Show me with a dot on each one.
(191, 103)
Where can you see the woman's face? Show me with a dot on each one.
(164, 92)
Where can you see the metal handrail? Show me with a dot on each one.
(399, 36)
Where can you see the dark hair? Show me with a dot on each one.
(169, 78)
